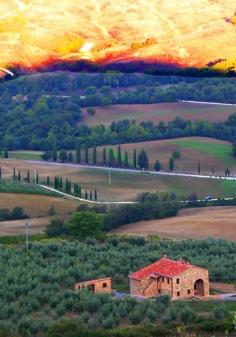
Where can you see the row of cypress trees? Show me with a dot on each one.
(57, 183)
(112, 158)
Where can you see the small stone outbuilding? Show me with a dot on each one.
(179, 279)
(102, 285)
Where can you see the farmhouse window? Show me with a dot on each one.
(189, 291)
(104, 285)
(163, 279)
(177, 280)
(178, 293)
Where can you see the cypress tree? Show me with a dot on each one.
(94, 155)
(143, 160)
(119, 158)
(56, 183)
(60, 183)
(171, 164)
(48, 181)
(86, 195)
(28, 177)
(14, 174)
(70, 157)
(157, 166)
(78, 153)
(104, 156)
(95, 195)
(134, 159)
(37, 178)
(86, 154)
(19, 176)
(69, 186)
(79, 190)
(90, 195)
(6, 153)
(126, 159)
(111, 157)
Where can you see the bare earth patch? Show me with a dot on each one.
(196, 223)
(223, 287)
(16, 227)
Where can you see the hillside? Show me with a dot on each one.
(40, 110)
(196, 223)
(124, 185)
(156, 112)
(211, 153)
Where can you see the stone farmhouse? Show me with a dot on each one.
(179, 279)
(102, 285)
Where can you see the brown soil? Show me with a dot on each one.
(223, 287)
(196, 223)
(16, 227)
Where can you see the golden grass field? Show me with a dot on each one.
(37, 205)
(196, 223)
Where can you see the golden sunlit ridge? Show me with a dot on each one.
(191, 33)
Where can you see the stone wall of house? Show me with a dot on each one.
(165, 286)
(187, 279)
(103, 285)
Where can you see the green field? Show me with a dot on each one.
(26, 155)
(220, 151)
(7, 186)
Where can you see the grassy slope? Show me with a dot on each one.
(7, 186)
(219, 151)
(124, 186)
(212, 153)
(26, 155)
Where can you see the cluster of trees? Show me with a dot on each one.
(68, 186)
(149, 206)
(92, 222)
(42, 291)
(127, 131)
(17, 213)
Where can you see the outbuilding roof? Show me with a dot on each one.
(163, 267)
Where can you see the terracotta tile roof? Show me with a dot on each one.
(162, 267)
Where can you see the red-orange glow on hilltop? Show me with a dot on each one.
(187, 32)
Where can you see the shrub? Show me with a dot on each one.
(135, 316)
